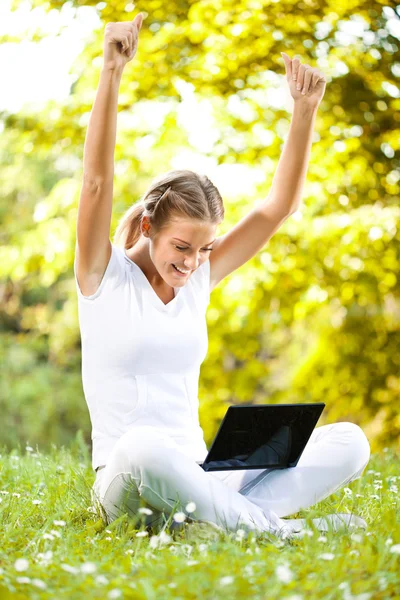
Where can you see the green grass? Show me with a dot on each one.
(69, 552)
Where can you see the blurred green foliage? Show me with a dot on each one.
(315, 316)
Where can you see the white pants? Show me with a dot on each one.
(146, 468)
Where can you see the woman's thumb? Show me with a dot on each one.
(139, 21)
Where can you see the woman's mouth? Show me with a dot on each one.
(179, 273)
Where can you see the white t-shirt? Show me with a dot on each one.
(141, 358)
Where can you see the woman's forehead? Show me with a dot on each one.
(190, 227)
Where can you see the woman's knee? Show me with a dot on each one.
(141, 446)
(360, 448)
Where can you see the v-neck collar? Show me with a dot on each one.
(154, 297)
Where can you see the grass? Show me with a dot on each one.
(55, 545)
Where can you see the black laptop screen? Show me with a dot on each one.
(263, 436)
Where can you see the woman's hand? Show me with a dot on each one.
(121, 42)
(311, 81)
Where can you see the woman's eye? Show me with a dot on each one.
(180, 248)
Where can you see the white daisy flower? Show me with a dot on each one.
(21, 564)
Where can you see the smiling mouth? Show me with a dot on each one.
(186, 273)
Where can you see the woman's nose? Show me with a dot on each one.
(191, 263)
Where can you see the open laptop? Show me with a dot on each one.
(262, 436)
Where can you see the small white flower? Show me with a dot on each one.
(388, 542)
(109, 530)
(29, 449)
(382, 583)
(23, 579)
(164, 538)
(190, 563)
(142, 533)
(172, 584)
(348, 491)
(356, 537)
(327, 556)
(88, 567)
(59, 469)
(21, 564)
(16, 495)
(39, 583)
(359, 495)
(322, 538)
(240, 534)
(36, 502)
(308, 532)
(130, 551)
(114, 593)
(179, 517)
(226, 580)
(395, 549)
(48, 536)
(190, 507)
(146, 511)
(284, 574)
(374, 496)
(45, 557)
(59, 523)
(55, 532)
(108, 538)
(354, 553)
(69, 568)
(101, 580)
(4, 492)
(154, 541)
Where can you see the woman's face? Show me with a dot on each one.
(185, 243)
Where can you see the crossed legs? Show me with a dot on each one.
(147, 467)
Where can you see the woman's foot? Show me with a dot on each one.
(334, 522)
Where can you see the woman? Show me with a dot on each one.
(142, 304)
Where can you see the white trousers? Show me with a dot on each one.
(146, 468)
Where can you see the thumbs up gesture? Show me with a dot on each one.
(121, 42)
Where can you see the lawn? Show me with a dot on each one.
(55, 545)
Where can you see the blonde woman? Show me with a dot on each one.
(142, 313)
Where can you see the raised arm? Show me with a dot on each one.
(93, 246)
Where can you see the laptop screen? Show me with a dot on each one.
(262, 436)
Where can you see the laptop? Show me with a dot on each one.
(262, 436)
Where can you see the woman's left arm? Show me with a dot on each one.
(288, 181)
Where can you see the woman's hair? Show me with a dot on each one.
(178, 193)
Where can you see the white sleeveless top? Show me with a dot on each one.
(141, 358)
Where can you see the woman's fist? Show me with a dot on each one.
(121, 42)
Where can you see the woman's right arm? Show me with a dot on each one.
(93, 247)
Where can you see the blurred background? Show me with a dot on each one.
(315, 316)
